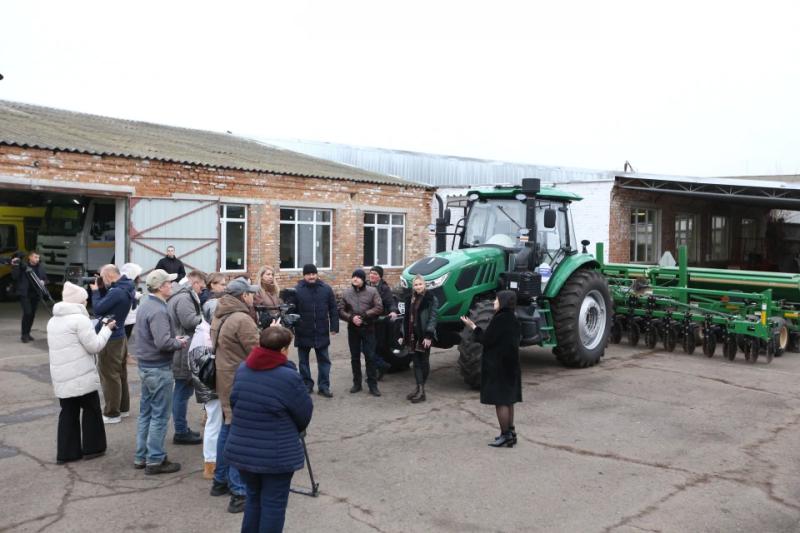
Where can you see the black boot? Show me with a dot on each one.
(420, 396)
(413, 393)
(355, 388)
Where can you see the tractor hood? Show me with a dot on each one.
(435, 266)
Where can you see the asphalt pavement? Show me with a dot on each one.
(645, 441)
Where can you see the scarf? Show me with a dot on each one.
(264, 359)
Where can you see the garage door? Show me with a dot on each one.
(192, 226)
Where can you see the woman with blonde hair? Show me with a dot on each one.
(268, 295)
(419, 332)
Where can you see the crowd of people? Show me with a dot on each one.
(179, 324)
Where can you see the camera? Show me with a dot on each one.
(266, 314)
(106, 319)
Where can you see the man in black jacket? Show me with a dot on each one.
(171, 264)
(31, 281)
(382, 327)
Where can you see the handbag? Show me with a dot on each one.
(207, 367)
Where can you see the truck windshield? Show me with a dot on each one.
(63, 219)
(495, 222)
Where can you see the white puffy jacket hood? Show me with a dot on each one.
(73, 345)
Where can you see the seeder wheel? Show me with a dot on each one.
(651, 337)
(771, 349)
(709, 345)
(669, 339)
(615, 336)
(729, 348)
(633, 333)
(750, 350)
(689, 341)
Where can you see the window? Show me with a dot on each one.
(719, 238)
(103, 222)
(8, 238)
(233, 238)
(644, 235)
(384, 235)
(305, 237)
(750, 242)
(687, 229)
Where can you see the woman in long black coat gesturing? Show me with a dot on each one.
(501, 380)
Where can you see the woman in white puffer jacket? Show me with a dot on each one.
(73, 343)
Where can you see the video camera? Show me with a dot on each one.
(18, 256)
(285, 311)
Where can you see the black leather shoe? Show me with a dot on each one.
(355, 388)
(219, 489)
(326, 393)
(504, 440)
(237, 502)
(24, 339)
(374, 391)
(190, 437)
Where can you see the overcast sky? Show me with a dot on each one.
(693, 88)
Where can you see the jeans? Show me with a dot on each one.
(323, 367)
(360, 340)
(180, 403)
(113, 370)
(225, 473)
(29, 304)
(154, 409)
(267, 496)
(211, 432)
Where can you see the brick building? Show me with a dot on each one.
(227, 203)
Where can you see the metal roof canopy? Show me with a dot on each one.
(761, 193)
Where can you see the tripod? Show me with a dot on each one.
(314, 491)
(45, 294)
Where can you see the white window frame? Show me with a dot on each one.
(726, 235)
(388, 227)
(314, 223)
(693, 253)
(656, 233)
(223, 237)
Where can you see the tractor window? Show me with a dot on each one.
(551, 240)
(495, 222)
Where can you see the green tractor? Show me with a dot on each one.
(522, 239)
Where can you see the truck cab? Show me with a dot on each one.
(77, 237)
(18, 228)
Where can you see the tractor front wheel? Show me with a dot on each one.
(582, 318)
(470, 351)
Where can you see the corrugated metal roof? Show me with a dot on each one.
(441, 170)
(56, 129)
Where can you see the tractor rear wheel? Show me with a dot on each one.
(470, 351)
(582, 318)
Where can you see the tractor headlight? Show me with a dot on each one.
(436, 283)
(403, 282)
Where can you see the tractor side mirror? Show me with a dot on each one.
(549, 218)
(585, 243)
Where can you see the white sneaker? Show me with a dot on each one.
(111, 419)
(125, 414)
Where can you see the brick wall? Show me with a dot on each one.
(668, 205)
(150, 178)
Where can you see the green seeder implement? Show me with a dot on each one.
(755, 312)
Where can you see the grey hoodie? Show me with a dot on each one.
(155, 335)
(185, 314)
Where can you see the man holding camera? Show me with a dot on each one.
(360, 306)
(155, 345)
(112, 296)
(30, 279)
(186, 314)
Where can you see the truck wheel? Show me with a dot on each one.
(469, 351)
(7, 289)
(582, 318)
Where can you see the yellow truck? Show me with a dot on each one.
(18, 229)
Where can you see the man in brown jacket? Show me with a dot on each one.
(360, 306)
(233, 334)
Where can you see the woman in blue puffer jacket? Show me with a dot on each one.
(271, 407)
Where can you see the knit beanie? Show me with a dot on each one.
(358, 273)
(378, 270)
(74, 294)
(309, 269)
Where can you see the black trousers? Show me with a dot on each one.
(422, 366)
(361, 339)
(80, 433)
(29, 304)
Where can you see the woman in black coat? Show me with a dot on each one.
(419, 331)
(501, 381)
